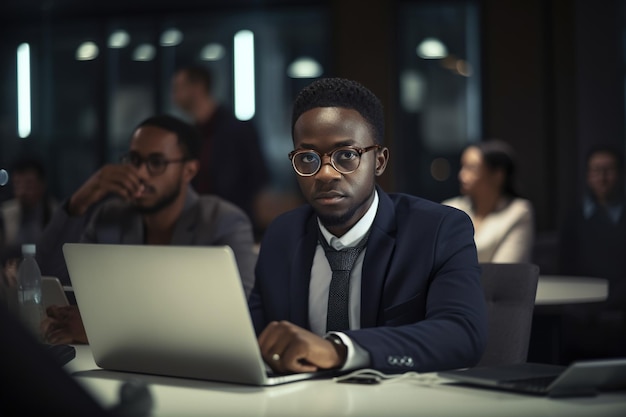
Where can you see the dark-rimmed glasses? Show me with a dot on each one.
(155, 164)
(345, 160)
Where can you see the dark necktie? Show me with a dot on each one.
(341, 263)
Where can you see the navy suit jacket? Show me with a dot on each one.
(422, 304)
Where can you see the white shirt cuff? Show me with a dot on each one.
(357, 357)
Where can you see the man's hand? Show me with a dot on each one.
(120, 179)
(63, 326)
(289, 348)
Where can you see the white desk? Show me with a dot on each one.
(559, 289)
(407, 397)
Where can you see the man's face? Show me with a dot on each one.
(339, 200)
(28, 188)
(160, 190)
(184, 92)
(602, 175)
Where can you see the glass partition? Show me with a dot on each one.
(438, 106)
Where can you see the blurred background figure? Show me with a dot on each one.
(593, 243)
(503, 221)
(232, 163)
(23, 218)
(593, 236)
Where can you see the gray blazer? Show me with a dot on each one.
(206, 220)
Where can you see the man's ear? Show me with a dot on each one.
(382, 157)
(190, 170)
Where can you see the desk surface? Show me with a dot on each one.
(560, 289)
(425, 395)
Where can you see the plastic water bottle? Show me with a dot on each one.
(29, 300)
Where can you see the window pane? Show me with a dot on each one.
(439, 95)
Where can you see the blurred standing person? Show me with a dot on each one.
(503, 221)
(232, 163)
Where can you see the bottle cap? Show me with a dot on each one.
(29, 249)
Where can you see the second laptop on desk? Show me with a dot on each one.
(582, 378)
(168, 310)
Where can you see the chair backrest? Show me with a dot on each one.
(510, 291)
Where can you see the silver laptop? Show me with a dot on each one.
(168, 310)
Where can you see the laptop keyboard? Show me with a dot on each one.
(537, 385)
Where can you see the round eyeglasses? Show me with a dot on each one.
(345, 160)
(156, 164)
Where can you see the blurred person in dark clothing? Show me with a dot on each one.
(23, 218)
(593, 237)
(232, 163)
(593, 243)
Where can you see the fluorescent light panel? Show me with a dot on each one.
(23, 90)
(244, 75)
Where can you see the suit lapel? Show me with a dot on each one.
(301, 275)
(380, 247)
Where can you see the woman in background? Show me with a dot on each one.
(503, 222)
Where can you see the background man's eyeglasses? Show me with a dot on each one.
(156, 164)
(345, 160)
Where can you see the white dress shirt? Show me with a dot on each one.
(321, 275)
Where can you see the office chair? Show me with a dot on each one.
(510, 291)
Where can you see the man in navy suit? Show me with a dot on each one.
(414, 301)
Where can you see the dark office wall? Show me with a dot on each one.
(553, 84)
(517, 93)
(552, 77)
(363, 50)
(600, 75)
(552, 74)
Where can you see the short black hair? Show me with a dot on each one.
(188, 136)
(199, 74)
(29, 163)
(497, 154)
(340, 92)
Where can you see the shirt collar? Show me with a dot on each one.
(356, 233)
